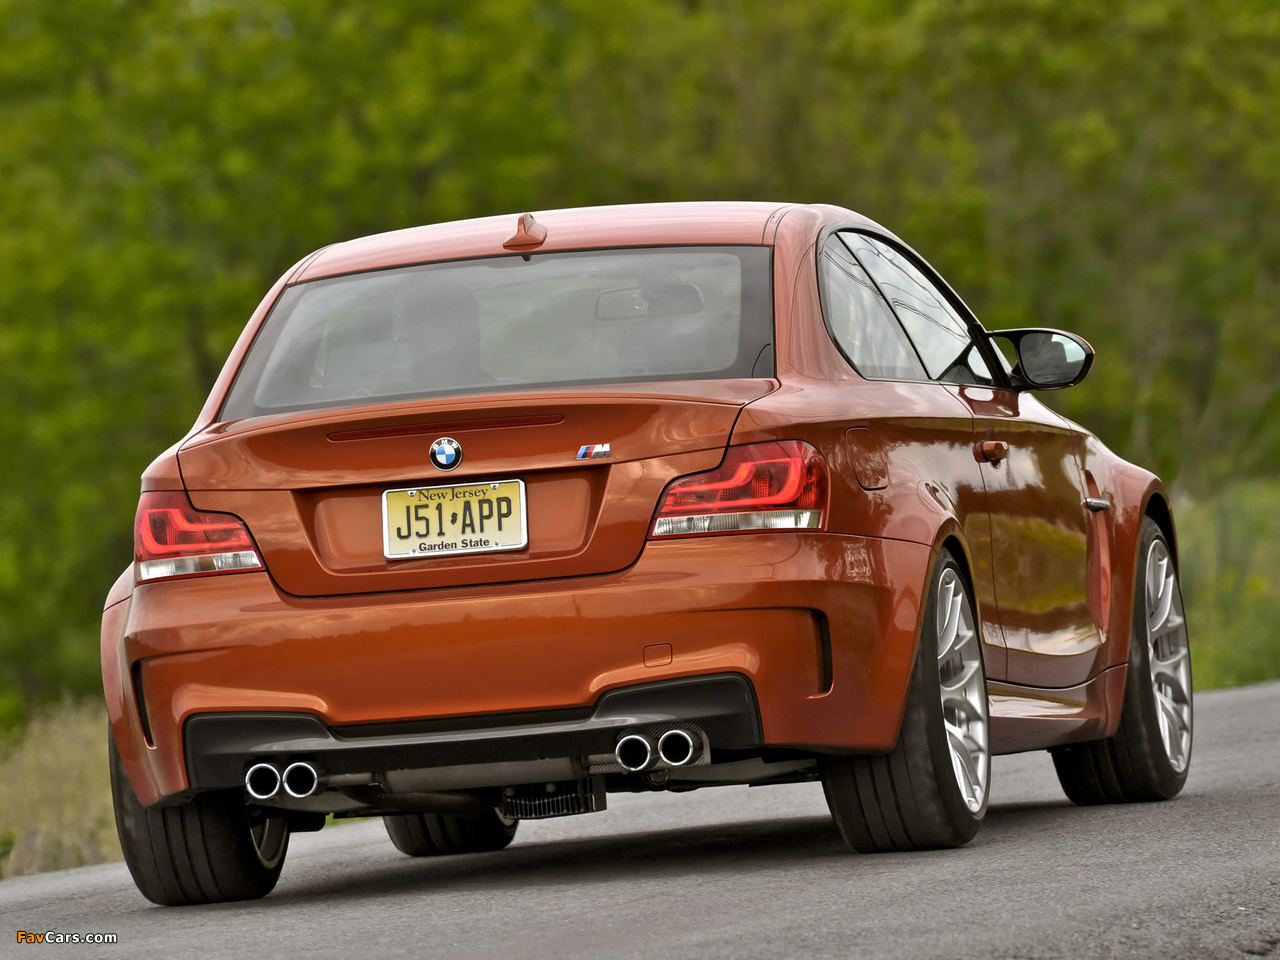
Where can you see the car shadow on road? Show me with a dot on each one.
(653, 854)
(703, 850)
(1011, 822)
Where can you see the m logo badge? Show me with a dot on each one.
(594, 451)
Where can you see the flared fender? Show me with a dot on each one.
(1134, 494)
(122, 700)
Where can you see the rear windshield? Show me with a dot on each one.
(554, 319)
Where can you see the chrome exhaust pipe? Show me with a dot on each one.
(677, 747)
(300, 780)
(635, 752)
(262, 781)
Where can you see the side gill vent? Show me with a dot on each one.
(824, 645)
(141, 700)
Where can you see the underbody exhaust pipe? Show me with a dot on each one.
(677, 747)
(262, 781)
(300, 780)
(636, 752)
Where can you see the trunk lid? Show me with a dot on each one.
(310, 486)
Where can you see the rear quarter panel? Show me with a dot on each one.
(136, 754)
(924, 498)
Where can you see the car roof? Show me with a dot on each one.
(638, 225)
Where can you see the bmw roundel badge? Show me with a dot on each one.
(446, 453)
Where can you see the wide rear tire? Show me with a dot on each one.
(440, 834)
(931, 791)
(1150, 754)
(211, 849)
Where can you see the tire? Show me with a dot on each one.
(440, 834)
(1150, 754)
(932, 790)
(211, 849)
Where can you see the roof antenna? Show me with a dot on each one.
(529, 233)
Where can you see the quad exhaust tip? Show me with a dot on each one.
(262, 781)
(300, 780)
(676, 748)
(635, 752)
(638, 752)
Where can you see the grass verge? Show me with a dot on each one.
(1230, 552)
(55, 796)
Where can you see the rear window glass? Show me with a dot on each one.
(555, 319)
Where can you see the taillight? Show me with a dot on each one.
(173, 539)
(780, 485)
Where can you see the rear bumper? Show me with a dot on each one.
(822, 627)
(219, 747)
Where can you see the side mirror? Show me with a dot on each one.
(1047, 359)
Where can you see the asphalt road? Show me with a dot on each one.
(733, 872)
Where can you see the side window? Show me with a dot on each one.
(861, 322)
(940, 335)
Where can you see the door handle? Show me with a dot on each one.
(1097, 503)
(993, 451)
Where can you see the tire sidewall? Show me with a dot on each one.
(132, 829)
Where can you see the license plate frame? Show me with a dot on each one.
(484, 535)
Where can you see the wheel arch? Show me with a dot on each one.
(1152, 502)
(993, 654)
(953, 544)
(1138, 494)
(949, 537)
(1158, 509)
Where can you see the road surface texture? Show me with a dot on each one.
(735, 872)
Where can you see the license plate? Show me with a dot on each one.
(446, 521)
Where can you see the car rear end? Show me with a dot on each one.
(468, 525)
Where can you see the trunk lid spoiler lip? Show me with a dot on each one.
(393, 412)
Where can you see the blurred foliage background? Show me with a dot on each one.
(1108, 166)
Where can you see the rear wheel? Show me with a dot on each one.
(211, 849)
(1149, 756)
(437, 834)
(931, 791)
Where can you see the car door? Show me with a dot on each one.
(1033, 490)
(914, 427)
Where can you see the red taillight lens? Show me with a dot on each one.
(171, 538)
(781, 485)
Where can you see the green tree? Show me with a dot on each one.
(1108, 167)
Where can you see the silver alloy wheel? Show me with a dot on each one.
(964, 692)
(1168, 654)
(269, 836)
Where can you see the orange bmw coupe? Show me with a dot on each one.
(484, 521)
